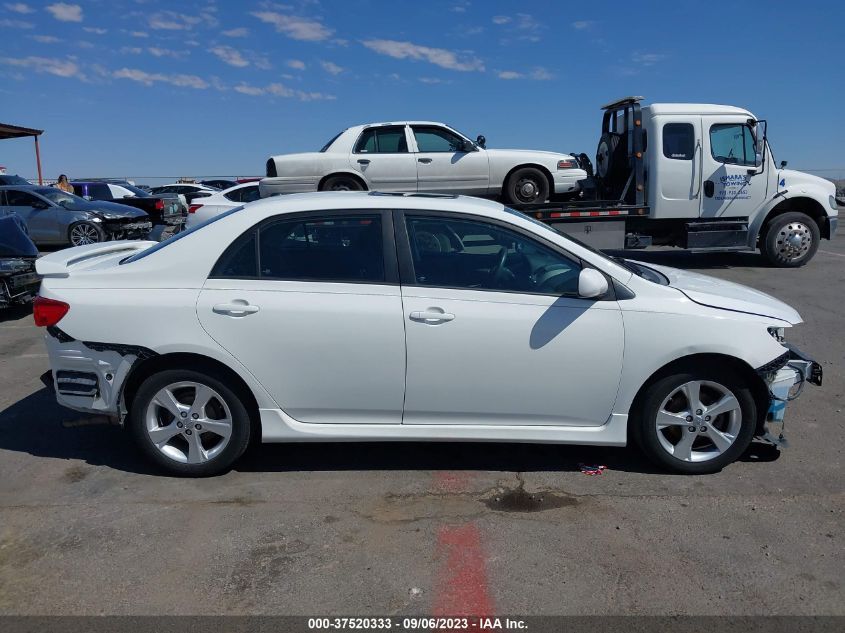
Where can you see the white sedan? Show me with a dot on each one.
(202, 209)
(365, 316)
(425, 157)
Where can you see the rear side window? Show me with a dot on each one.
(732, 143)
(389, 139)
(338, 249)
(678, 141)
(21, 199)
(244, 194)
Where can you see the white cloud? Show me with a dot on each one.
(501, 19)
(165, 52)
(239, 32)
(246, 89)
(582, 25)
(331, 68)
(18, 7)
(173, 21)
(294, 27)
(229, 55)
(46, 39)
(148, 79)
(460, 7)
(510, 74)
(139, 34)
(280, 90)
(97, 31)
(537, 74)
(52, 66)
(540, 74)
(66, 12)
(523, 26)
(296, 63)
(437, 56)
(16, 24)
(647, 59)
(132, 50)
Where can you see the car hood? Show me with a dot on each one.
(726, 295)
(801, 181)
(108, 210)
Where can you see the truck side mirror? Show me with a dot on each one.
(783, 164)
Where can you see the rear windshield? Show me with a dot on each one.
(177, 237)
(138, 192)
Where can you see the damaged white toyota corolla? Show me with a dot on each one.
(366, 316)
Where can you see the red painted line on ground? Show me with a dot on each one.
(462, 580)
(451, 481)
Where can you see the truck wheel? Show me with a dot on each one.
(83, 233)
(695, 422)
(790, 240)
(526, 186)
(341, 183)
(189, 423)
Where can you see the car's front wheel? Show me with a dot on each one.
(189, 423)
(696, 422)
(83, 233)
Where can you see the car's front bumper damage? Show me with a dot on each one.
(785, 377)
(128, 230)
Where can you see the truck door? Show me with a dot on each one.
(733, 186)
(677, 177)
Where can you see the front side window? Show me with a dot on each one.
(437, 139)
(476, 255)
(389, 139)
(678, 141)
(732, 143)
(343, 249)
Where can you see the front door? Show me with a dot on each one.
(444, 166)
(496, 333)
(40, 216)
(382, 158)
(310, 305)
(733, 186)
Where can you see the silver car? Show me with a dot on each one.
(55, 217)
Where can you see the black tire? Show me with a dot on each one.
(790, 240)
(341, 183)
(527, 185)
(82, 233)
(219, 463)
(645, 433)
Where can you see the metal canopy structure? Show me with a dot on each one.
(16, 131)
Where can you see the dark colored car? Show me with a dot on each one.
(18, 280)
(219, 183)
(7, 179)
(189, 190)
(55, 217)
(165, 210)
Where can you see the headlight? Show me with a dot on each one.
(96, 219)
(777, 334)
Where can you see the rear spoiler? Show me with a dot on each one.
(57, 264)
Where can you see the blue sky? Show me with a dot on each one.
(176, 88)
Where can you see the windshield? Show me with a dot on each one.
(177, 237)
(58, 196)
(329, 144)
(135, 190)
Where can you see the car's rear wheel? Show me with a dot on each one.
(341, 183)
(83, 233)
(189, 423)
(526, 186)
(790, 240)
(696, 422)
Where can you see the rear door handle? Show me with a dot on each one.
(363, 161)
(425, 161)
(236, 309)
(431, 315)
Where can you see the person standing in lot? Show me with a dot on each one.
(63, 184)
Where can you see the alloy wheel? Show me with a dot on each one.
(83, 234)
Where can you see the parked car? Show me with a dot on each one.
(18, 279)
(215, 204)
(219, 183)
(426, 157)
(188, 190)
(165, 210)
(55, 217)
(9, 179)
(356, 316)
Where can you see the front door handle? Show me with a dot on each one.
(424, 161)
(709, 188)
(235, 309)
(363, 161)
(431, 315)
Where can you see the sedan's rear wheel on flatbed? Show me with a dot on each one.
(83, 233)
(526, 186)
(790, 240)
(341, 183)
(696, 422)
(189, 423)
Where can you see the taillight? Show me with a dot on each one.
(193, 208)
(159, 205)
(47, 312)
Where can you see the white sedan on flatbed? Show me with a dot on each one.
(423, 156)
(356, 316)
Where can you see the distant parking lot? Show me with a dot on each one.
(87, 528)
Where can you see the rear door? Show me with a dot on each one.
(444, 166)
(382, 158)
(41, 217)
(310, 304)
(732, 187)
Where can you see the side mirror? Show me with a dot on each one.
(481, 141)
(783, 164)
(591, 284)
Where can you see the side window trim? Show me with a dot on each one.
(407, 274)
(391, 265)
(691, 128)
